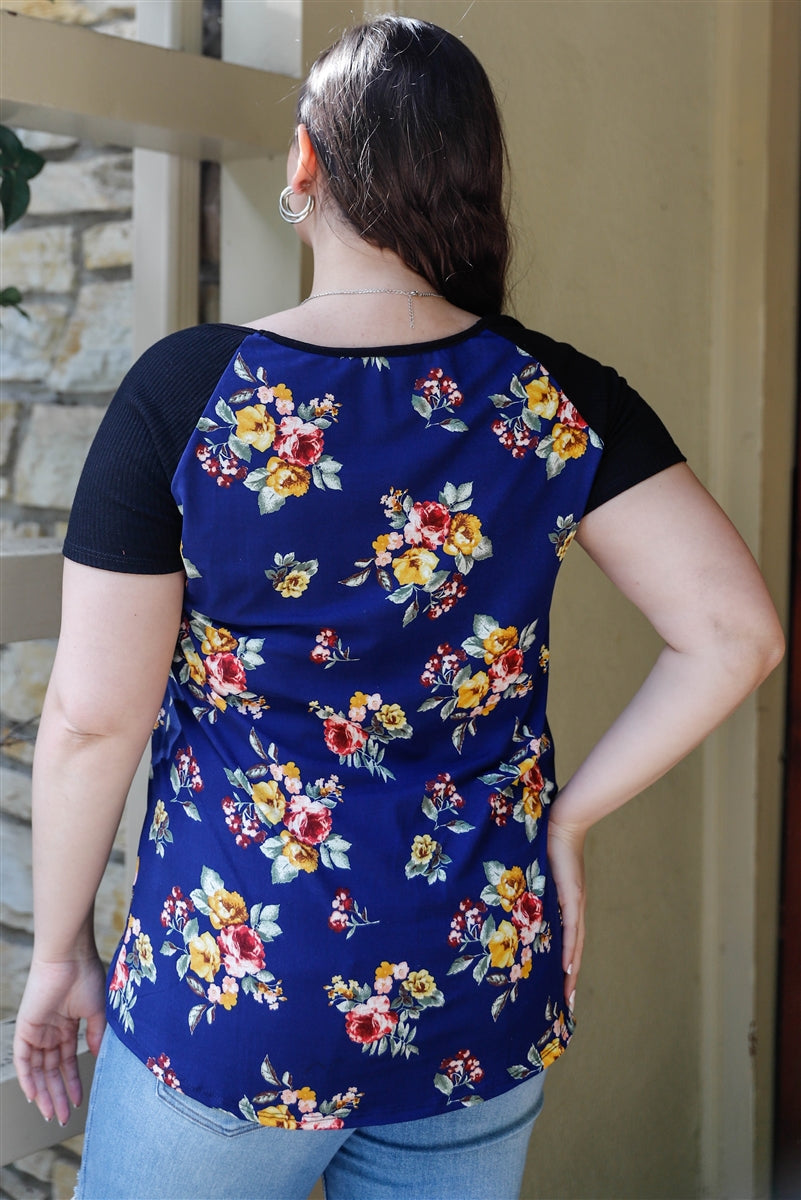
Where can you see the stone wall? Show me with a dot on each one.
(70, 256)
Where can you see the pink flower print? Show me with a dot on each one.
(505, 670)
(226, 674)
(242, 950)
(316, 1120)
(298, 442)
(343, 737)
(308, 821)
(429, 523)
(371, 1021)
(121, 973)
(568, 414)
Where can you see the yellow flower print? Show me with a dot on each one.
(305, 858)
(568, 442)
(532, 804)
(338, 987)
(227, 908)
(417, 565)
(160, 815)
(381, 542)
(498, 642)
(286, 479)
(197, 671)
(423, 847)
(464, 534)
(545, 654)
(291, 770)
(510, 886)
(255, 426)
(359, 700)
(282, 392)
(277, 1115)
(502, 945)
(551, 1052)
(294, 584)
(204, 956)
(543, 398)
(306, 1093)
(561, 549)
(227, 1000)
(218, 702)
(218, 641)
(144, 949)
(420, 984)
(269, 801)
(391, 716)
(384, 971)
(473, 690)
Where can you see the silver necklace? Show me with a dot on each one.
(411, 296)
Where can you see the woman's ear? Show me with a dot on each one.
(305, 174)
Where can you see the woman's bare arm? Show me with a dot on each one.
(672, 551)
(118, 634)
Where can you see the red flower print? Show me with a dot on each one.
(532, 778)
(320, 654)
(343, 736)
(121, 973)
(338, 921)
(371, 1021)
(527, 917)
(308, 820)
(428, 524)
(568, 414)
(226, 674)
(242, 950)
(342, 899)
(505, 669)
(298, 442)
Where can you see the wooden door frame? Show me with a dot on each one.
(787, 1125)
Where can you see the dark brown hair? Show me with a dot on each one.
(404, 122)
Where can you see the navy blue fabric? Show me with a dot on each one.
(343, 882)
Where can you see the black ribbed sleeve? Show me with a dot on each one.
(124, 517)
(636, 443)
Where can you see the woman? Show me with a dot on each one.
(334, 535)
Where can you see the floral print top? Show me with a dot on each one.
(343, 913)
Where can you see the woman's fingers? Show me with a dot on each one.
(566, 856)
(50, 1078)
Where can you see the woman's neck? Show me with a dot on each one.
(360, 298)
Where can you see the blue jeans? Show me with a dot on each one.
(145, 1141)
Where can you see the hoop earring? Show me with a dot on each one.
(289, 214)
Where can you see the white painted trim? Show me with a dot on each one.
(128, 93)
(30, 589)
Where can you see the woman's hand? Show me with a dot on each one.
(57, 996)
(566, 858)
(118, 632)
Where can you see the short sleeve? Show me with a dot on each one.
(124, 517)
(636, 443)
